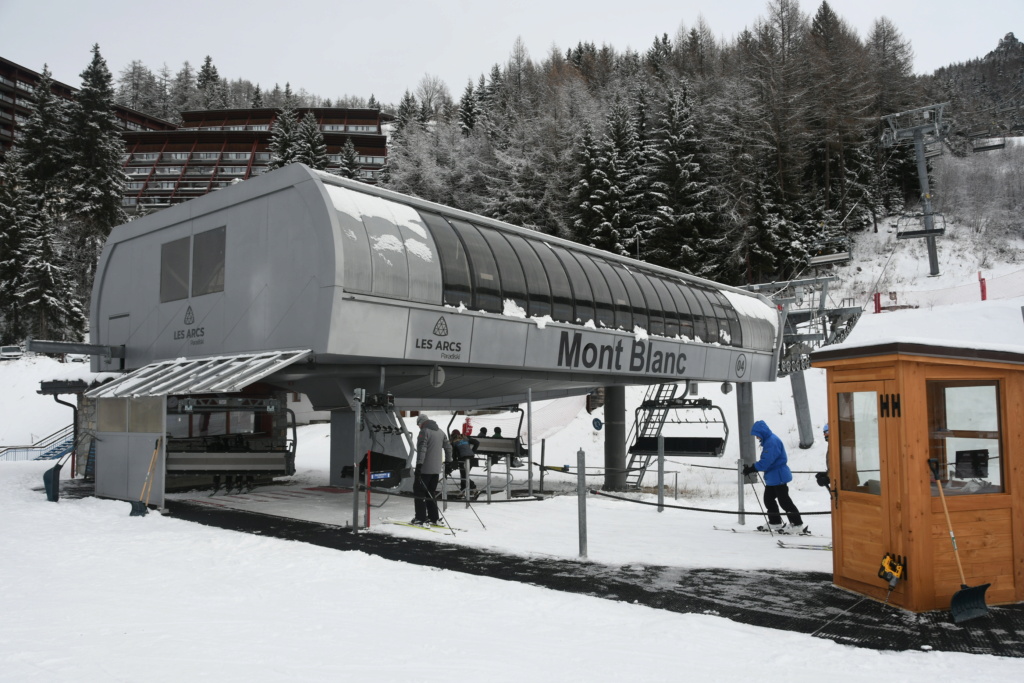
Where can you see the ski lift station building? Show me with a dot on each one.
(301, 281)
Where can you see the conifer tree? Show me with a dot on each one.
(183, 90)
(310, 148)
(43, 144)
(284, 138)
(50, 305)
(468, 109)
(18, 220)
(684, 218)
(593, 200)
(257, 98)
(96, 179)
(207, 82)
(349, 166)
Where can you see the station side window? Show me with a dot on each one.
(620, 298)
(727, 318)
(965, 436)
(513, 281)
(687, 317)
(714, 325)
(602, 294)
(174, 270)
(208, 262)
(645, 302)
(482, 267)
(561, 288)
(583, 295)
(539, 289)
(671, 316)
(698, 314)
(458, 285)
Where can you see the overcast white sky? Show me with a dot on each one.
(339, 47)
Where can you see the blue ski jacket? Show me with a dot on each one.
(773, 456)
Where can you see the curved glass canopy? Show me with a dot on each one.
(399, 251)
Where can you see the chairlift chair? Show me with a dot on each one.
(988, 140)
(687, 446)
(903, 231)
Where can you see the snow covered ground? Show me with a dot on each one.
(91, 594)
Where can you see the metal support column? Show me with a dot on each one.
(745, 421)
(926, 201)
(798, 383)
(615, 438)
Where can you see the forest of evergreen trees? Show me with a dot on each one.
(732, 160)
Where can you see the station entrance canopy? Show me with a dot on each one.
(219, 374)
(381, 291)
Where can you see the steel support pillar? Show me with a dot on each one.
(615, 438)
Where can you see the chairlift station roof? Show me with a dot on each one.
(353, 286)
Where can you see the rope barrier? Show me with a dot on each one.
(684, 507)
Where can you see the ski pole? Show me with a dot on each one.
(466, 494)
(761, 507)
(431, 497)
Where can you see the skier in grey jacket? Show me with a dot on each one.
(433, 452)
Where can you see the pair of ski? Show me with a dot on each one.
(789, 545)
(437, 529)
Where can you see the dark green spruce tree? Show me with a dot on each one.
(96, 180)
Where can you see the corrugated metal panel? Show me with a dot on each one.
(198, 375)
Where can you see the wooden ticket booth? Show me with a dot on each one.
(892, 407)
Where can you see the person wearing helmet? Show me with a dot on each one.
(777, 475)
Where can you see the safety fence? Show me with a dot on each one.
(1003, 287)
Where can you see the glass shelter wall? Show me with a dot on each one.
(419, 255)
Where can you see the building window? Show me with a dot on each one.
(964, 436)
(208, 262)
(859, 448)
(174, 270)
(206, 155)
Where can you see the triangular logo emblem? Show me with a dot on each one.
(189, 318)
(441, 328)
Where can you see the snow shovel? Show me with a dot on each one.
(969, 601)
(140, 507)
(51, 480)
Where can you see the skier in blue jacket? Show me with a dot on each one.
(776, 477)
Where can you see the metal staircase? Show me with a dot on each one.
(651, 416)
(48, 448)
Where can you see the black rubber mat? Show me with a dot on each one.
(793, 601)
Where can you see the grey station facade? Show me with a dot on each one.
(301, 281)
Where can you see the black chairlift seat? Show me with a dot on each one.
(938, 229)
(680, 446)
(706, 446)
(829, 259)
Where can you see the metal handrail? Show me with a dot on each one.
(30, 452)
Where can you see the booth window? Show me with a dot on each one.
(965, 436)
(174, 270)
(208, 262)
(859, 447)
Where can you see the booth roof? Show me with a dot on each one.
(992, 326)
